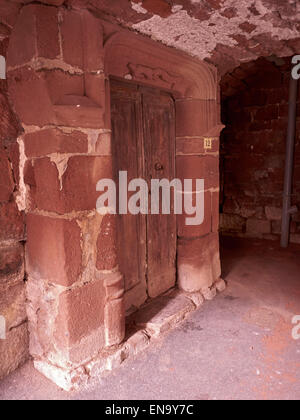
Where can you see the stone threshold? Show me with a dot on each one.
(152, 320)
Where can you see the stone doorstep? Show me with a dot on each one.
(160, 314)
(151, 321)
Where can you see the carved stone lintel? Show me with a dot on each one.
(148, 74)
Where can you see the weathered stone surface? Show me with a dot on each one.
(80, 313)
(14, 347)
(112, 359)
(295, 238)
(137, 342)
(46, 142)
(163, 312)
(106, 244)
(221, 37)
(29, 94)
(11, 264)
(12, 225)
(88, 55)
(13, 153)
(222, 43)
(114, 285)
(199, 167)
(116, 358)
(79, 108)
(59, 92)
(220, 285)
(95, 85)
(68, 380)
(66, 328)
(41, 311)
(9, 12)
(9, 125)
(53, 249)
(198, 263)
(273, 213)
(231, 206)
(34, 19)
(196, 298)
(48, 2)
(64, 88)
(12, 305)
(135, 297)
(231, 222)
(209, 293)
(158, 7)
(215, 208)
(195, 146)
(96, 367)
(253, 145)
(63, 185)
(103, 144)
(114, 320)
(188, 125)
(82, 176)
(258, 227)
(7, 184)
(65, 96)
(13, 350)
(72, 36)
(198, 230)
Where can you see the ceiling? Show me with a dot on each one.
(223, 32)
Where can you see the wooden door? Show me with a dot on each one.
(143, 139)
(159, 149)
(127, 151)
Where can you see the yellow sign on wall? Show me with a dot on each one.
(208, 143)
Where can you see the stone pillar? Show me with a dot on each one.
(13, 318)
(74, 289)
(197, 157)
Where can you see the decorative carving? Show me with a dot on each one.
(161, 66)
(148, 74)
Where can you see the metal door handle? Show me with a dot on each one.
(158, 167)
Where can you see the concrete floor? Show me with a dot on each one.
(239, 346)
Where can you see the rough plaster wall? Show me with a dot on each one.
(255, 111)
(223, 32)
(201, 30)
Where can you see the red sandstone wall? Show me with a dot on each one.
(61, 94)
(74, 292)
(255, 111)
(13, 350)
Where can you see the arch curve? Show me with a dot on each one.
(140, 59)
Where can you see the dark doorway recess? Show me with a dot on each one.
(255, 100)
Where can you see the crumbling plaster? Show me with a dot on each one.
(223, 32)
(231, 24)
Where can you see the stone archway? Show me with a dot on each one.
(194, 86)
(61, 95)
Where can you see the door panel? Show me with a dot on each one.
(126, 148)
(159, 145)
(143, 138)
